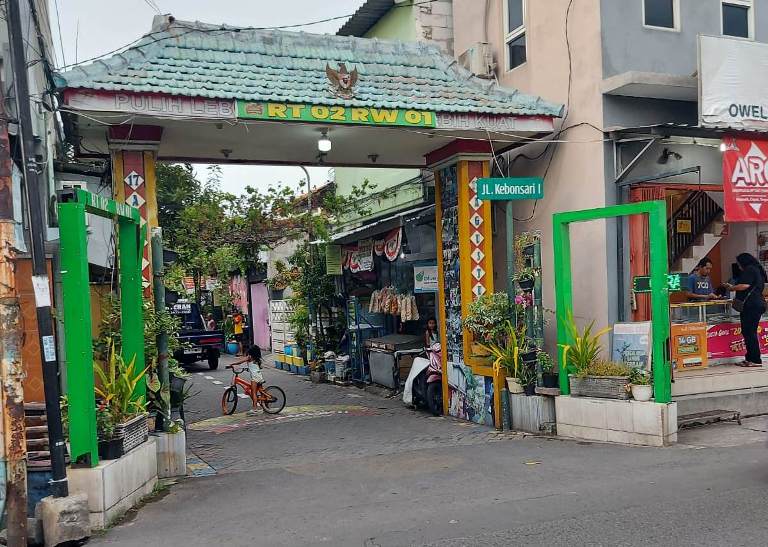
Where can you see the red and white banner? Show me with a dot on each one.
(392, 244)
(745, 179)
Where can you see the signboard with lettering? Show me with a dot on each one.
(745, 180)
(425, 279)
(510, 188)
(155, 104)
(733, 75)
(689, 345)
(631, 344)
(334, 114)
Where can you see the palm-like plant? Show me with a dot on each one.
(506, 353)
(585, 347)
(118, 386)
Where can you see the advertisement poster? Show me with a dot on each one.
(424, 279)
(689, 346)
(745, 180)
(632, 344)
(724, 340)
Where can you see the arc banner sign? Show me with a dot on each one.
(745, 180)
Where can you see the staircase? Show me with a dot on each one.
(706, 226)
(36, 426)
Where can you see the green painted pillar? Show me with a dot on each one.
(131, 303)
(79, 339)
(657, 229)
(563, 294)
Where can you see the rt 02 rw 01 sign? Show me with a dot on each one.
(745, 180)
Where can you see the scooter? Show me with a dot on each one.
(424, 385)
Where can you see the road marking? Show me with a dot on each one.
(217, 382)
(209, 377)
(243, 396)
(199, 373)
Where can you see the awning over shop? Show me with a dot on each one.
(381, 226)
(382, 103)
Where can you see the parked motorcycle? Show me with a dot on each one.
(424, 385)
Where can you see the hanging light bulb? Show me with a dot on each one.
(324, 144)
(723, 146)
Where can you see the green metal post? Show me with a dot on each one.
(510, 224)
(657, 229)
(563, 292)
(158, 288)
(131, 312)
(79, 343)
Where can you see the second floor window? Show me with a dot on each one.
(660, 14)
(737, 18)
(514, 35)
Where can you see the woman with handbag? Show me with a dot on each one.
(750, 304)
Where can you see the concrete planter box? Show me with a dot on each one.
(115, 486)
(530, 413)
(610, 420)
(171, 454)
(608, 387)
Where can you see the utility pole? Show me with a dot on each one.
(11, 369)
(40, 281)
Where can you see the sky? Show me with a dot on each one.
(94, 27)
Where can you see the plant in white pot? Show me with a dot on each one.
(640, 384)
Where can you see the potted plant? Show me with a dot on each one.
(506, 355)
(640, 384)
(110, 447)
(116, 389)
(588, 374)
(549, 378)
(527, 378)
(526, 278)
(486, 321)
(524, 243)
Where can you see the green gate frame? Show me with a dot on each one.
(77, 308)
(657, 228)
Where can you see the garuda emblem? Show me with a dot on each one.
(342, 81)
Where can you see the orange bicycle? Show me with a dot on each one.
(271, 398)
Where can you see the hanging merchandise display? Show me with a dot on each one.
(388, 301)
(378, 247)
(392, 243)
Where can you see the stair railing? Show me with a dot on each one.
(701, 211)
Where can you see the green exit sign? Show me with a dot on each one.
(510, 188)
(675, 282)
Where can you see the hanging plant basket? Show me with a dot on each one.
(529, 250)
(526, 284)
(133, 432)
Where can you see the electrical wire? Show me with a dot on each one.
(58, 25)
(153, 6)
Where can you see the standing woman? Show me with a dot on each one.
(751, 304)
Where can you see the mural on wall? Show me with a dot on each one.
(470, 395)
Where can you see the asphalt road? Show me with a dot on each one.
(343, 467)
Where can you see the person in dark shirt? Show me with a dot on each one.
(749, 290)
(700, 283)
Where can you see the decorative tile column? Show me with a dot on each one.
(134, 151)
(471, 388)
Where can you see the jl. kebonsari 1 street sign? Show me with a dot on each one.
(510, 188)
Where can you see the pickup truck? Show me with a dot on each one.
(197, 344)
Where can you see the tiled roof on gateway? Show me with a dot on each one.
(218, 61)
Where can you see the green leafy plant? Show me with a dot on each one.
(640, 377)
(105, 423)
(545, 362)
(525, 274)
(606, 368)
(526, 375)
(585, 347)
(64, 406)
(506, 352)
(117, 386)
(487, 318)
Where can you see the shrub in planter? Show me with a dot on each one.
(604, 379)
(487, 318)
(506, 354)
(527, 377)
(640, 384)
(549, 377)
(526, 278)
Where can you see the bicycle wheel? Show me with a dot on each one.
(229, 400)
(275, 400)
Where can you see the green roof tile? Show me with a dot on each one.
(200, 60)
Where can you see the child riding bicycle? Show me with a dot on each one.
(253, 359)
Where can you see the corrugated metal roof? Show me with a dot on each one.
(201, 60)
(365, 17)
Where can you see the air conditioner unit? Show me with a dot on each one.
(478, 59)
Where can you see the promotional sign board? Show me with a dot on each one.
(675, 282)
(733, 76)
(689, 345)
(424, 279)
(745, 180)
(724, 340)
(510, 188)
(631, 344)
